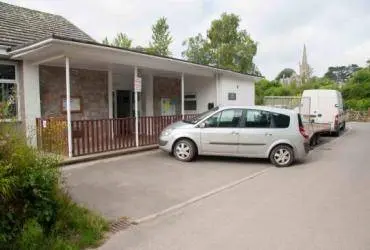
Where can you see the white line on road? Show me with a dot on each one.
(198, 198)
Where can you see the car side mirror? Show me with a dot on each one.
(202, 125)
(337, 105)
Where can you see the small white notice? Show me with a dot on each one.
(137, 84)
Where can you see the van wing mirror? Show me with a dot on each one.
(202, 125)
(337, 105)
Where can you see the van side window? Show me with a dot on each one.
(257, 119)
(280, 120)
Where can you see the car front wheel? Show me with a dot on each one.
(184, 150)
(282, 156)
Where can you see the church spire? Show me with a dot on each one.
(304, 57)
(304, 68)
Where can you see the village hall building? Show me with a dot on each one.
(54, 71)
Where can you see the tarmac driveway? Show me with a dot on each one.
(141, 184)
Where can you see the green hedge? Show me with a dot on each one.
(35, 213)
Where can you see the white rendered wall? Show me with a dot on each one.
(205, 90)
(148, 94)
(31, 90)
(243, 88)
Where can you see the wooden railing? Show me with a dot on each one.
(96, 136)
(52, 135)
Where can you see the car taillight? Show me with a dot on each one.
(336, 120)
(303, 132)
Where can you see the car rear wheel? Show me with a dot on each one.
(184, 150)
(282, 156)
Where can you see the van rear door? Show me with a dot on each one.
(327, 110)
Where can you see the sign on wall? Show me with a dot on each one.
(76, 104)
(231, 96)
(168, 106)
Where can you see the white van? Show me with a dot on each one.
(326, 106)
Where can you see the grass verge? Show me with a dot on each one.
(75, 228)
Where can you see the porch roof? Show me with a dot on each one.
(53, 49)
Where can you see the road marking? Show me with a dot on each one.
(198, 198)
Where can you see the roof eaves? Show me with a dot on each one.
(130, 50)
(14, 48)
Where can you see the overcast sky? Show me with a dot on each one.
(336, 32)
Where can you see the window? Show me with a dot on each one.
(300, 123)
(226, 119)
(212, 122)
(7, 72)
(280, 120)
(8, 89)
(257, 119)
(201, 116)
(190, 102)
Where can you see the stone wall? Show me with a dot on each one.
(359, 116)
(90, 85)
(164, 87)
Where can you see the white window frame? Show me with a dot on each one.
(191, 99)
(16, 82)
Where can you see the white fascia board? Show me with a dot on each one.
(16, 54)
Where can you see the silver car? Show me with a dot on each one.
(253, 131)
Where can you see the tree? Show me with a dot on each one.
(161, 38)
(340, 74)
(121, 40)
(285, 73)
(105, 41)
(357, 91)
(198, 50)
(225, 46)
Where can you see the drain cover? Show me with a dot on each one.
(120, 224)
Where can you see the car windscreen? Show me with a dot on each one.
(201, 116)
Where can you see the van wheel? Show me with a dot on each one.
(282, 156)
(184, 150)
(335, 133)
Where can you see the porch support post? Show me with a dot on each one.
(136, 112)
(182, 96)
(110, 92)
(217, 89)
(68, 105)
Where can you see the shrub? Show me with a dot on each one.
(35, 213)
(29, 182)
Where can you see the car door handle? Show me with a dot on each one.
(234, 133)
(268, 134)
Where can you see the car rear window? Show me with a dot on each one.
(280, 120)
(300, 123)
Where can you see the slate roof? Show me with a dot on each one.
(19, 26)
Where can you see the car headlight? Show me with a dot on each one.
(166, 132)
